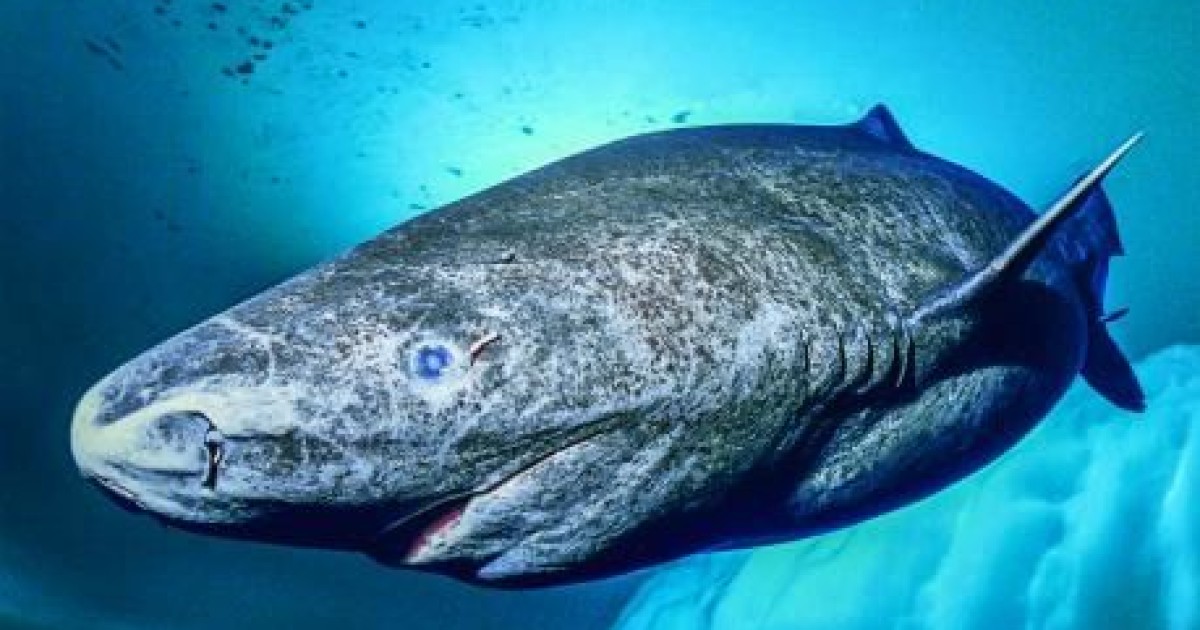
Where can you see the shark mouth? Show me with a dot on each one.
(402, 542)
(417, 533)
(405, 541)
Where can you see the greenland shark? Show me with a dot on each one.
(697, 339)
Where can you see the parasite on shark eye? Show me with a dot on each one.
(478, 346)
(214, 443)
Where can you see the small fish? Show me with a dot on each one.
(109, 55)
(695, 339)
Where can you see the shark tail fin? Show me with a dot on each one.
(1088, 232)
(1093, 234)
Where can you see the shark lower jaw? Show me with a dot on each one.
(314, 525)
(337, 528)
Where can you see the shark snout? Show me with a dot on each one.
(137, 454)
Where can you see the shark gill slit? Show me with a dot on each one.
(898, 366)
(865, 382)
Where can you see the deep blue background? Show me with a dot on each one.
(142, 189)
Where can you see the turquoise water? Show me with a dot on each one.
(144, 188)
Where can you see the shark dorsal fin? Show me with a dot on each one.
(881, 125)
(1016, 258)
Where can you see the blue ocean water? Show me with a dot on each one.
(154, 171)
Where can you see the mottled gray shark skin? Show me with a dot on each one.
(687, 340)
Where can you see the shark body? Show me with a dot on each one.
(688, 340)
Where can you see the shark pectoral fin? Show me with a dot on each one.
(1012, 263)
(881, 125)
(1108, 372)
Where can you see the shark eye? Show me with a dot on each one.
(432, 360)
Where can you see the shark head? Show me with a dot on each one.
(479, 420)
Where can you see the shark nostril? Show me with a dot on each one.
(191, 432)
(183, 427)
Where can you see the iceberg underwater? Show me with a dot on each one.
(1093, 521)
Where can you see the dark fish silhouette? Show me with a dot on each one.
(694, 339)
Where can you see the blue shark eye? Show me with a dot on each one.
(432, 361)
